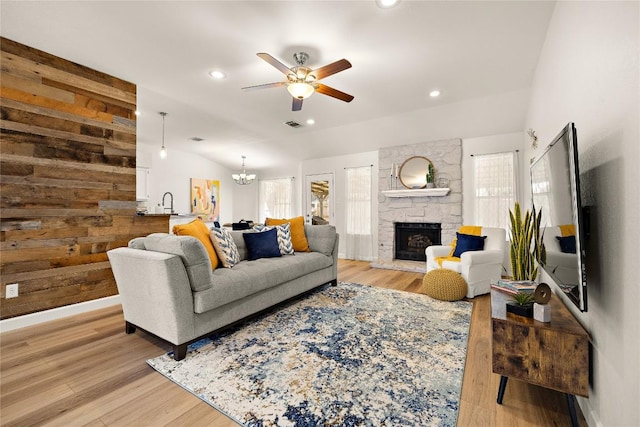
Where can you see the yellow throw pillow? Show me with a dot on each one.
(474, 230)
(200, 231)
(567, 230)
(298, 237)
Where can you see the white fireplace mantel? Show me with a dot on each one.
(421, 192)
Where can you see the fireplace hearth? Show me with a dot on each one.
(412, 238)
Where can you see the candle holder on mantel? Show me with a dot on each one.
(393, 177)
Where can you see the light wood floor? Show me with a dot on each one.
(84, 370)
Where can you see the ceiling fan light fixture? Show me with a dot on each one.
(300, 90)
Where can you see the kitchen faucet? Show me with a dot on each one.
(163, 196)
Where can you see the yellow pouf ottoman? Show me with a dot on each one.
(445, 285)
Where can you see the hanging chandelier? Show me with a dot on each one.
(243, 178)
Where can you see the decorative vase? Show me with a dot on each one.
(430, 185)
(521, 310)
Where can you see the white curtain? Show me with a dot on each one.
(358, 209)
(495, 180)
(275, 198)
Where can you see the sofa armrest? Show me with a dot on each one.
(482, 257)
(155, 292)
(324, 239)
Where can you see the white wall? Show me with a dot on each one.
(588, 74)
(246, 198)
(174, 174)
(337, 165)
(487, 145)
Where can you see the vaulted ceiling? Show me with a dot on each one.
(481, 56)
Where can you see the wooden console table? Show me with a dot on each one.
(554, 355)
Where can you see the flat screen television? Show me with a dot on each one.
(555, 190)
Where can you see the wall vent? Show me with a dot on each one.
(293, 124)
(196, 139)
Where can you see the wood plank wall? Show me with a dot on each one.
(67, 179)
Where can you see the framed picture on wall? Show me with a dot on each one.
(205, 199)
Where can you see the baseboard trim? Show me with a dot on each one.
(588, 412)
(19, 322)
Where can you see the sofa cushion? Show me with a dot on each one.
(247, 278)
(322, 238)
(198, 229)
(298, 237)
(192, 253)
(283, 234)
(238, 239)
(262, 245)
(226, 248)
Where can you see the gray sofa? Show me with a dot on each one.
(167, 286)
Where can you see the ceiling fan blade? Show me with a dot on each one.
(296, 105)
(273, 61)
(335, 93)
(332, 68)
(265, 86)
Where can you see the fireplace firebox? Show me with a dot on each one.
(412, 238)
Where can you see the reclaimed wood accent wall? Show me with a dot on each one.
(67, 179)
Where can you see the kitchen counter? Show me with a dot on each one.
(168, 214)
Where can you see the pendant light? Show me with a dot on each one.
(243, 178)
(163, 150)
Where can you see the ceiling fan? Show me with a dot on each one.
(302, 81)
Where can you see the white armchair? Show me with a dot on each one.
(478, 268)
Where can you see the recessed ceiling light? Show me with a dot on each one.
(137, 112)
(217, 74)
(310, 121)
(386, 4)
(434, 93)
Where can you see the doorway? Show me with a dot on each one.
(319, 199)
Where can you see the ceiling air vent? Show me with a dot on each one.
(293, 124)
(196, 139)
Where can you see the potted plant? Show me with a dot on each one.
(526, 248)
(521, 305)
(431, 176)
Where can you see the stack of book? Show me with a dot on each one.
(514, 286)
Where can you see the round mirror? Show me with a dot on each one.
(413, 172)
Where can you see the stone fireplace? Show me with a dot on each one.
(446, 156)
(412, 238)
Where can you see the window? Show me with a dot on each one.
(495, 188)
(275, 198)
(358, 210)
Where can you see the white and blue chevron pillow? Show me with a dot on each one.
(283, 234)
(226, 248)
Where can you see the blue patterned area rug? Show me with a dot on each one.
(350, 355)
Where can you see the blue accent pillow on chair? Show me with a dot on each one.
(467, 242)
(262, 245)
(567, 244)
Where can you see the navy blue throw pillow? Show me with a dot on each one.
(567, 244)
(262, 245)
(467, 242)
